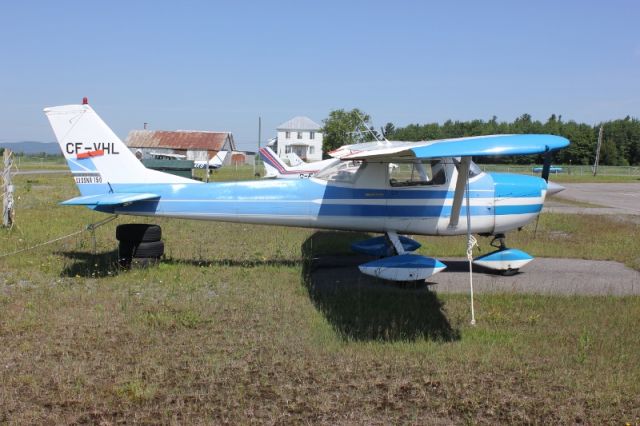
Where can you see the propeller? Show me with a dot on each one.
(546, 167)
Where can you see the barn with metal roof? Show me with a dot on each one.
(187, 144)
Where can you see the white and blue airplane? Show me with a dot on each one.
(552, 169)
(215, 163)
(426, 196)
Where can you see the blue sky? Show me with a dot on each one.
(212, 65)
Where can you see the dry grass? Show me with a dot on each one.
(236, 326)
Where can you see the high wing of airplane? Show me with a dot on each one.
(424, 195)
(276, 168)
(215, 163)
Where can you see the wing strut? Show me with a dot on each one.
(462, 188)
(461, 183)
(397, 244)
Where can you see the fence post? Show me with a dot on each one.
(7, 191)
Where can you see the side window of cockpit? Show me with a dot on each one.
(417, 174)
(474, 169)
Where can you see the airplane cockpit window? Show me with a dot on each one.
(427, 172)
(474, 170)
(342, 171)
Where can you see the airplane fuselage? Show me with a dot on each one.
(498, 203)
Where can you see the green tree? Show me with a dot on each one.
(389, 131)
(345, 128)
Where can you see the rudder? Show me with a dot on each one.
(95, 155)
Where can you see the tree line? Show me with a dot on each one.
(620, 143)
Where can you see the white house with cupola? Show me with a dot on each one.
(300, 135)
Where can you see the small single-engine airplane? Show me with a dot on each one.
(215, 163)
(552, 169)
(425, 195)
(276, 168)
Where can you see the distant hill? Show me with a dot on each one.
(29, 148)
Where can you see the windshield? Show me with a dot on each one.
(342, 171)
(474, 169)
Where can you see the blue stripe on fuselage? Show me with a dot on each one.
(309, 197)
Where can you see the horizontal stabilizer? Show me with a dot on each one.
(111, 199)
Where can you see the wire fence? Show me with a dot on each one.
(249, 171)
(633, 171)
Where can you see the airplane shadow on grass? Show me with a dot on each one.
(88, 265)
(364, 308)
(359, 307)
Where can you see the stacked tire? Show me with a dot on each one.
(140, 244)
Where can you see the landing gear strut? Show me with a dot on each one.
(498, 242)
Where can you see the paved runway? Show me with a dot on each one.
(615, 198)
(541, 276)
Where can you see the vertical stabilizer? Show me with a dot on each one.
(272, 163)
(95, 155)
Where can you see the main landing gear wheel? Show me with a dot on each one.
(499, 243)
(506, 261)
(509, 272)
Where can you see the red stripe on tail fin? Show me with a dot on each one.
(88, 154)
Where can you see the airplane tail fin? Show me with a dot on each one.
(272, 163)
(294, 160)
(96, 156)
(219, 158)
(215, 163)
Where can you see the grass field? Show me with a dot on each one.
(232, 327)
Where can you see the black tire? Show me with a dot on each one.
(130, 250)
(509, 272)
(125, 250)
(150, 249)
(138, 232)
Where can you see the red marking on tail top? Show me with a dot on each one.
(89, 154)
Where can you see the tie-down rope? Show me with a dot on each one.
(90, 227)
(471, 241)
